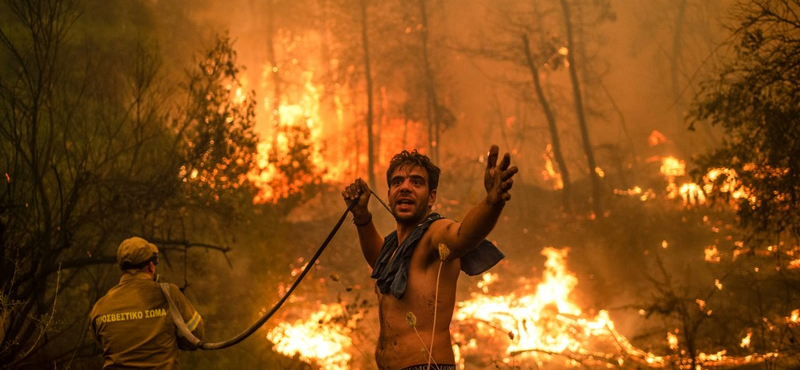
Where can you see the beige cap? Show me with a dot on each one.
(135, 252)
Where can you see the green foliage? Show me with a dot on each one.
(298, 178)
(756, 99)
(218, 144)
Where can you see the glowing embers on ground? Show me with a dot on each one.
(721, 180)
(318, 339)
(788, 256)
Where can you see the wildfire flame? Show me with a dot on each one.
(302, 114)
(538, 323)
(729, 183)
(549, 173)
(317, 339)
(723, 180)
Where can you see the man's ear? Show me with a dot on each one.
(431, 198)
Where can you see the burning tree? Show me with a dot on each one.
(755, 99)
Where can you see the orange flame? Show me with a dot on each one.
(672, 339)
(520, 327)
(730, 184)
(690, 193)
(318, 339)
(537, 325)
(549, 173)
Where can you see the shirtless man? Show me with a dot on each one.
(407, 262)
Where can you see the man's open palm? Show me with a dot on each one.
(499, 177)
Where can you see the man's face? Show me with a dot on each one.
(409, 196)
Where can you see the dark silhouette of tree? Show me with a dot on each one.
(580, 110)
(275, 70)
(297, 174)
(433, 109)
(561, 77)
(754, 97)
(369, 119)
(93, 152)
(217, 141)
(551, 124)
(401, 80)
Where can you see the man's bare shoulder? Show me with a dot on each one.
(441, 231)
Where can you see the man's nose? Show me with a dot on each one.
(405, 185)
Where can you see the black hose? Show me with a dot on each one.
(243, 335)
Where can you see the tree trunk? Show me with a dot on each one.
(275, 114)
(551, 123)
(368, 78)
(579, 110)
(433, 103)
(339, 150)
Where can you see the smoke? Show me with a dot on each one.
(633, 93)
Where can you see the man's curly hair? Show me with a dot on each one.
(414, 158)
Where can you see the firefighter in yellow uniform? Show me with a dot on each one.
(132, 322)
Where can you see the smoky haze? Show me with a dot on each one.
(646, 61)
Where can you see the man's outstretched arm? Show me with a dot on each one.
(461, 237)
(368, 236)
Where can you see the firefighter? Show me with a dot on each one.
(132, 323)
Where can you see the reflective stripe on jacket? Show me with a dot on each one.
(133, 326)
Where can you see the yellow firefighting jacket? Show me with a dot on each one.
(133, 326)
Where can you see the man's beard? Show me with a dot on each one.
(420, 212)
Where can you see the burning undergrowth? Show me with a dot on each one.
(538, 325)
(661, 281)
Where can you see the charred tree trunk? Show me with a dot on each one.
(368, 79)
(579, 110)
(675, 58)
(675, 72)
(339, 151)
(433, 103)
(275, 113)
(551, 123)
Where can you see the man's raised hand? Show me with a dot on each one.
(498, 178)
(359, 192)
